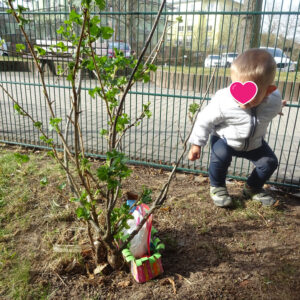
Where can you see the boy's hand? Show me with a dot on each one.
(283, 104)
(194, 153)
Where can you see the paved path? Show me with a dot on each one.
(157, 139)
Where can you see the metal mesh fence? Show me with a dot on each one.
(198, 37)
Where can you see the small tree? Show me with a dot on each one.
(97, 194)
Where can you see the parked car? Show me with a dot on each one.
(3, 48)
(283, 62)
(50, 46)
(228, 58)
(212, 61)
(124, 47)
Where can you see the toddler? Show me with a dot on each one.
(238, 129)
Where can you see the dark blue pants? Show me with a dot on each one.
(263, 158)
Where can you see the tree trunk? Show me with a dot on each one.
(130, 25)
(115, 259)
(250, 26)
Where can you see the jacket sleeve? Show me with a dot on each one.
(277, 102)
(206, 121)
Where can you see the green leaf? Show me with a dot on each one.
(114, 170)
(153, 231)
(60, 30)
(62, 46)
(101, 4)
(38, 125)
(95, 20)
(146, 78)
(94, 91)
(95, 30)
(70, 77)
(82, 213)
(23, 21)
(152, 67)
(103, 132)
(62, 186)
(146, 195)
(85, 164)
(19, 110)
(86, 3)
(40, 51)
(121, 122)
(106, 32)
(51, 154)
(59, 70)
(146, 110)
(156, 241)
(54, 122)
(20, 47)
(44, 181)
(21, 158)
(47, 141)
(21, 8)
(75, 17)
(193, 108)
(179, 19)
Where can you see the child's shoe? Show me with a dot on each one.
(220, 196)
(258, 194)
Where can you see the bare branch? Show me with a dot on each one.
(162, 196)
(98, 72)
(141, 117)
(120, 107)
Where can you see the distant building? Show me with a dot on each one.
(200, 31)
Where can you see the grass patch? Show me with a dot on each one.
(19, 184)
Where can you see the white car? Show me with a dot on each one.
(212, 61)
(3, 48)
(283, 62)
(121, 46)
(228, 58)
(50, 46)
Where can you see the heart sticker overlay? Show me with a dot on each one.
(243, 93)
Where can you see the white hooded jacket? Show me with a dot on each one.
(243, 129)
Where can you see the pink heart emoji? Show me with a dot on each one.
(243, 93)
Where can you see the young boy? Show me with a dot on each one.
(238, 129)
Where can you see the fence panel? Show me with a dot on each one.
(192, 30)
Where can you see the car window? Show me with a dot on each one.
(215, 57)
(276, 52)
(232, 55)
(120, 46)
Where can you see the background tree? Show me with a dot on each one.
(249, 31)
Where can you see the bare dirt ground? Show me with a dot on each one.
(246, 252)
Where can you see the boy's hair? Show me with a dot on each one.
(256, 65)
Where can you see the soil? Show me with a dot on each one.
(246, 252)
